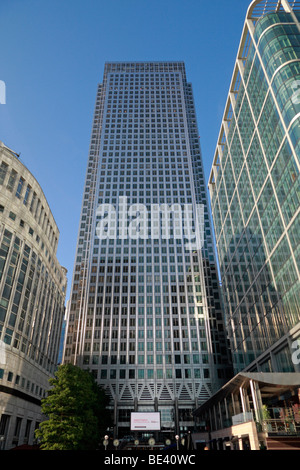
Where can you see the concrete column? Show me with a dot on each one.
(243, 399)
(211, 420)
(156, 434)
(256, 397)
(253, 438)
(220, 414)
(226, 408)
(215, 416)
(246, 395)
(115, 418)
(258, 394)
(176, 416)
(235, 404)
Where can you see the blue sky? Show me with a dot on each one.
(52, 56)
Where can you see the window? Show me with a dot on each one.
(17, 429)
(20, 187)
(3, 171)
(4, 424)
(27, 429)
(27, 195)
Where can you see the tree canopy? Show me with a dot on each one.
(76, 407)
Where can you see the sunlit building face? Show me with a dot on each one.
(254, 187)
(145, 312)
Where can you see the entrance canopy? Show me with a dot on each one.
(270, 384)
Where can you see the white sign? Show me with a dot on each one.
(145, 421)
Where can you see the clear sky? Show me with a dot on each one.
(52, 57)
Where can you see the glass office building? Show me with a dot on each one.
(145, 312)
(255, 195)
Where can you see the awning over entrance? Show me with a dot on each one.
(270, 384)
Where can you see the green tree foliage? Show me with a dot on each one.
(76, 411)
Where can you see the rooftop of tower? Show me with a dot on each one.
(145, 66)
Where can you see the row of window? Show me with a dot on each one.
(147, 79)
(159, 96)
(163, 162)
(29, 301)
(22, 224)
(25, 384)
(30, 200)
(131, 346)
(142, 147)
(113, 374)
(148, 164)
(22, 432)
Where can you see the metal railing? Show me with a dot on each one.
(280, 427)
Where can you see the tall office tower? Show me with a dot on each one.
(32, 297)
(254, 187)
(145, 313)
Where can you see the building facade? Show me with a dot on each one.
(145, 311)
(254, 189)
(32, 296)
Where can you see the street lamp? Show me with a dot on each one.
(116, 443)
(105, 442)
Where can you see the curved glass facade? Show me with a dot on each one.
(255, 192)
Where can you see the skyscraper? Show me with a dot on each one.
(254, 187)
(32, 298)
(145, 311)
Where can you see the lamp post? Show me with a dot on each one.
(105, 442)
(151, 442)
(116, 443)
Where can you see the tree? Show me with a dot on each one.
(76, 407)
